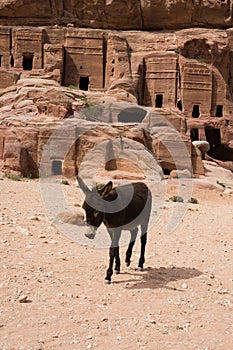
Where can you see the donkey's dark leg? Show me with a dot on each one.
(113, 253)
(144, 227)
(117, 261)
(130, 247)
(143, 246)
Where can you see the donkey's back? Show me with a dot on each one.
(135, 200)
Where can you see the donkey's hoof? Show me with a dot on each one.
(140, 268)
(107, 281)
(127, 263)
(116, 272)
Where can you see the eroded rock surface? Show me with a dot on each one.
(118, 14)
(36, 110)
(50, 67)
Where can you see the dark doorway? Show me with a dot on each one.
(166, 171)
(12, 61)
(0, 60)
(194, 134)
(83, 83)
(213, 136)
(131, 115)
(196, 111)
(219, 111)
(179, 105)
(159, 101)
(27, 61)
(57, 167)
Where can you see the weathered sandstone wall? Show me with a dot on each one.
(185, 72)
(118, 14)
(32, 110)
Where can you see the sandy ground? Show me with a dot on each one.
(52, 291)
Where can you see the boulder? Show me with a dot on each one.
(203, 146)
(180, 173)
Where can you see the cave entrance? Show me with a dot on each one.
(12, 62)
(27, 61)
(196, 111)
(194, 134)
(57, 167)
(213, 136)
(219, 111)
(159, 101)
(179, 105)
(83, 83)
(166, 171)
(131, 115)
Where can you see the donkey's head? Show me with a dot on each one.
(94, 205)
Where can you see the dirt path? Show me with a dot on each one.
(182, 301)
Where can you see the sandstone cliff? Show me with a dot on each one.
(184, 72)
(34, 109)
(118, 14)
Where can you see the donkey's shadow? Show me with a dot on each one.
(153, 278)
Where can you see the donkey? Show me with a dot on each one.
(121, 208)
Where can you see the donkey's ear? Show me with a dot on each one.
(104, 191)
(82, 185)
